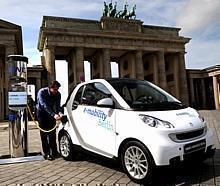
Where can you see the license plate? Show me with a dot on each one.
(195, 146)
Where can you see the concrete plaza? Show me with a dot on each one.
(94, 170)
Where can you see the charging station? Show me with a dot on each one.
(17, 105)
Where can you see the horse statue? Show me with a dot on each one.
(105, 11)
(110, 7)
(132, 13)
(110, 11)
(113, 11)
(124, 13)
(117, 15)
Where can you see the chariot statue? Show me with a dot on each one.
(110, 11)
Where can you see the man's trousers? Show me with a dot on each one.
(48, 139)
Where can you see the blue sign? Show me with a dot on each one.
(12, 117)
(16, 69)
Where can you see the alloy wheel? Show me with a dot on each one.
(64, 146)
(136, 162)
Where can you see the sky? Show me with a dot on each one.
(198, 20)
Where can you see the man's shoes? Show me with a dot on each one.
(48, 157)
(57, 155)
(45, 156)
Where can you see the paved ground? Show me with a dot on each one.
(92, 170)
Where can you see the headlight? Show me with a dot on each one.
(154, 122)
(201, 118)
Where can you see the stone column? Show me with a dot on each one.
(106, 63)
(71, 70)
(2, 72)
(216, 92)
(38, 84)
(79, 65)
(127, 66)
(139, 65)
(176, 76)
(203, 93)
(97, 65)
(183, 80)
(155, 66)
(192, 92)
(50, 63)
(162, 70)
(132, 67)
(100, 64)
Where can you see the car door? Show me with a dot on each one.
(96, 125)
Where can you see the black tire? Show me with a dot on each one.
(65, 146)
(137, 162)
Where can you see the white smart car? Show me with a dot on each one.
(134, 121)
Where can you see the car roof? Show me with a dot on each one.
(115, 80)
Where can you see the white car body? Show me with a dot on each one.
(104, 130)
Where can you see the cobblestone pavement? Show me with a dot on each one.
(94, 170)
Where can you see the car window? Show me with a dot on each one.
(94, 92)
(142, 95)
(142, 92)
(78, 96)
(127, 95)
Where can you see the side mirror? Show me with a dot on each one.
(106, 102)
(75, 105)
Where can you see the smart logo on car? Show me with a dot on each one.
(102, 122)
(97, 113)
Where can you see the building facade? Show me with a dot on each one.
(153, 53)
(147, 52)
(204, 87)
(10, 43)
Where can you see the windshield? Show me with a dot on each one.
(142, 95)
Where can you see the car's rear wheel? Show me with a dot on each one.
(137, 162)
(65, 146)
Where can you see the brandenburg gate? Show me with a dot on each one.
(153, 53)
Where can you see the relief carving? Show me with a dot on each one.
(121, 24)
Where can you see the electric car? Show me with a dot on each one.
(135, 121)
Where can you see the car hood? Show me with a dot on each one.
(183, 119)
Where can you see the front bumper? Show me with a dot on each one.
(172, 152)
(196, 156)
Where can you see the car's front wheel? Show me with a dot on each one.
(65, 146)
(137, 162)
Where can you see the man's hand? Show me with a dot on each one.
(57, 117)
(60, 114)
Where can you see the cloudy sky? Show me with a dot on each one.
(198, 19)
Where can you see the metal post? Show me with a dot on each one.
(17, 74)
